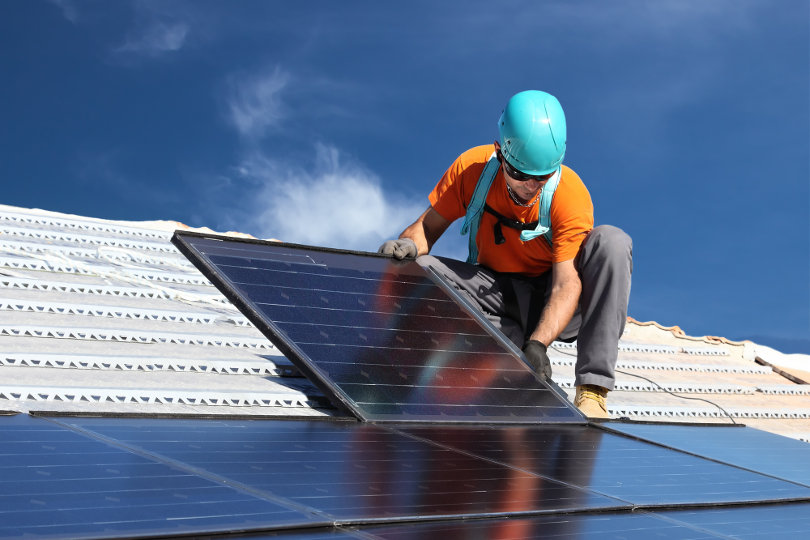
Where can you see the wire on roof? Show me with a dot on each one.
(725, 412)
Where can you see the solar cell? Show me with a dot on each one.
(55, 482)
(614, 465)
(352, 472)
(737, 445)
(379, 336)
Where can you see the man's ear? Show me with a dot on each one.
(497, 146)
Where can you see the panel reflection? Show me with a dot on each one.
(358, 471)
(560, 527)
(614, 465)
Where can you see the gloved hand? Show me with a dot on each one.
(536, 354)
(399, 248)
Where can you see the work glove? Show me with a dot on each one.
(536, 354)
(399, 248)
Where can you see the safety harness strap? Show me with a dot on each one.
(477, 206)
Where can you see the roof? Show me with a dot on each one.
(106, 316)
(140, 403)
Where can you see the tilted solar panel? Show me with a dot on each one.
(385, 339)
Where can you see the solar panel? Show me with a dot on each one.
(55, 482)
(352, 472)
(737, 445)
(638, 472)
(774, 522)
(385, 339)
(135, 477)
(755, 522)
(558, 527)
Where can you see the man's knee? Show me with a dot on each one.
(607, 244)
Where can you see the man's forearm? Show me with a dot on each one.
(426, 230)
(417, 233)
(558, 311)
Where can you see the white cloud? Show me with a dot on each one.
(336, 204)
(156, 39)
(254, 103)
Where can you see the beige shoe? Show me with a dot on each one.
(591, 401)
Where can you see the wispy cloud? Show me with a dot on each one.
(156, 39)
(338, 203)
(69, 9)
(254, 103)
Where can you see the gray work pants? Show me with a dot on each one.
(514, 303)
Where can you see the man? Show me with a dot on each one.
(538, 269)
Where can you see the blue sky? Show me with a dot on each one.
(327, 123)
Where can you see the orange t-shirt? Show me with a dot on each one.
(571, 216)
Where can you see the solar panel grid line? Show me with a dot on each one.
(772, 521)
(190, 469)
(270, 330)
(626, 468)
(621, 503)
(59, 482)
(396, 481)
(394, 311)
(357, 473)
(776, 522)
(573, 526)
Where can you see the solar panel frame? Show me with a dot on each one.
(198, 248)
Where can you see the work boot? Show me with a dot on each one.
(590, 400)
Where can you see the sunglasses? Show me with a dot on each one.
(518, 175)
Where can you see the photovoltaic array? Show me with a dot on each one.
(64, 477)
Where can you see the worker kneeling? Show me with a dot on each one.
(537, 268)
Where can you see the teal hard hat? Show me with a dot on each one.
(533, 134)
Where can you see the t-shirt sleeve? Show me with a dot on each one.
(571, 217)
(454, 190)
